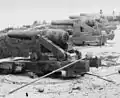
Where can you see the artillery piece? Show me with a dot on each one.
(42, 52)
(103, 23)
(84, 31)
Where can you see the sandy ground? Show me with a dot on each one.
(81, 87)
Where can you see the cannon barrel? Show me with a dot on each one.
(64, 22)
(81, 16)
(22, 34)
(89, 14)
(57, 36)
(74, 17)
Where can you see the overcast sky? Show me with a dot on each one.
(19, 12)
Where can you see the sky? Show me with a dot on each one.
(23, 12)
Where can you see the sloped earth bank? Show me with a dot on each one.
(82, 87)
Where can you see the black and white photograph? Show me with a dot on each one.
(59, 49)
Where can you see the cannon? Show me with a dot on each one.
(59, 37)
(44, 53)
(85, 31)
(103, 23)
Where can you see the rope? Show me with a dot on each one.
(101, 78)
